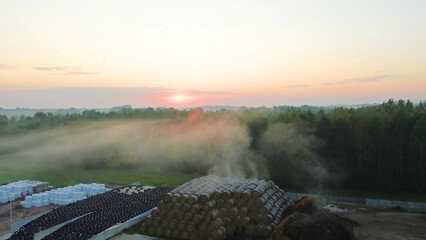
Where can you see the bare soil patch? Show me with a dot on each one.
(387, 225)
(19, 213)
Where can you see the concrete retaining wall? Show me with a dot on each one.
(376, 203)
(114, 230)
(18, 224)
(42, 234)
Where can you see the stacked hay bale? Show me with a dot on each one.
(214, 208)
(130, 190)
(39, 187)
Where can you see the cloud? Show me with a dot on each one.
(298, 86)
(81, 73)
(5, 66)
(48, 68)
(360, 80)
(201, 92)
(371, 79)
(64, 70)
(333, 83)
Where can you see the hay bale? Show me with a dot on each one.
(215, 208)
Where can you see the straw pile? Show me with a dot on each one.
(215, 208)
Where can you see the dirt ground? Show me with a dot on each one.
(373, 225)
(387, 225)
(19, 213)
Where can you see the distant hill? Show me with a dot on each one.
(218, 108)
(23, 111)
(17, 112)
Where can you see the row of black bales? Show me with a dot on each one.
(98, 213)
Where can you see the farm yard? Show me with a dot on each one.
(229, 174)
(210, 207)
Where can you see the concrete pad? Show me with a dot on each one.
(4, 237)
(133, 237)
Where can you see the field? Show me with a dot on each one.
(61, 177)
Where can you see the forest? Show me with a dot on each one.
(371, 148)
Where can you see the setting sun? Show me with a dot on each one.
(179, 98)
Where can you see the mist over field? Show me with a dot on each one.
(198, 144)
(294, 150)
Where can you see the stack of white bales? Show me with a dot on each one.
(4, 196)
(64, 196)
(13, 190)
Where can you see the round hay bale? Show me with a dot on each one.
(181, 225)
(176, 234)
(173, 224)
(179, 215)
(197, 218)
(187, 216)
(195, 208)
(220, 203)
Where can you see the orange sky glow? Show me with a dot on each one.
(104, 53)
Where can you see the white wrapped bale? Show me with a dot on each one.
(4, 200)
(38, 203)
(37, 197)
(68, 195)
(75, 195)
(60, 196)
(12, 197)
(27, 204)
(3, 193)
(45, 196)
(7, 188)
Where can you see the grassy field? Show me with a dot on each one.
(61, 177)
(65, 177)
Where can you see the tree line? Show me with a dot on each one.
(375, 148)
(41, 120)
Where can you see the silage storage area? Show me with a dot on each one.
(86, 218)
(209, 207)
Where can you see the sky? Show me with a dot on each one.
(101, 53)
